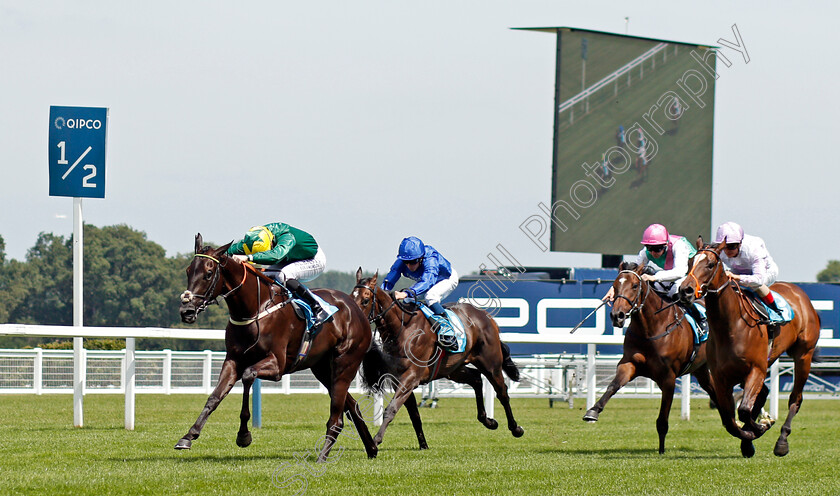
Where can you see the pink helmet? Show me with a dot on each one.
(729, 232)
(655, 234)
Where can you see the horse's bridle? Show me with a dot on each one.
(207, 298)
(379, 317)
(638, 301)
(704, 288)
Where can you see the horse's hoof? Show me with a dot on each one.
(518, 431)
(781, 448)
(372, 454)
(424, 446)
(591, 416)
(747, 449)
(491, 424)
(243, 440)
(377, 440)
(184, 443)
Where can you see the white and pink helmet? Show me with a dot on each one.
(655, 234)
(729, 232)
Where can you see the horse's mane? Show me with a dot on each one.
(633, 266)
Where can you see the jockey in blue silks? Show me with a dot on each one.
(434, 274)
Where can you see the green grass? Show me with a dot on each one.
(43, 454)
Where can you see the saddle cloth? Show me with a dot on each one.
(700, 335)
(451, 326)
(304, 311)
(787, 311)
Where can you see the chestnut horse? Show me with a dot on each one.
(263, 337)
(410, 356)
(659, 344)
(737, 350)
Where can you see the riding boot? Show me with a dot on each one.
(318, 313)
(702, 323)
(437, 308)
(446, 341)
(774, 307)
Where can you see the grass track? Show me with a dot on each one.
(42, 453)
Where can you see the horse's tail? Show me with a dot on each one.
(508, 364)
(374, 366)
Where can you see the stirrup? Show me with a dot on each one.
(448, 342)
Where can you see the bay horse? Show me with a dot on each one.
(263, 337)
(658, 344)
(737, 352)
(409, 356)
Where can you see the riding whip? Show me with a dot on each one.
(590, 315)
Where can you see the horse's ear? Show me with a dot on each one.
(222, 250)
(359, 275)
(699, 242)
(373, 279)
(199, 243)
(622, 265)
(720, 246)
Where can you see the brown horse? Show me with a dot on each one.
(409, 355)
(263, 338)
(659, 344)
(737, 350)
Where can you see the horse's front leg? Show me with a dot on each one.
(267, 368)
(624, 373)
(667, 388)
(404, 387)
(753, 385)
(227, 378)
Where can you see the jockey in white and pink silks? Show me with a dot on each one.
(668, 254)
(748, 261)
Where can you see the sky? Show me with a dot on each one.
(364, 122)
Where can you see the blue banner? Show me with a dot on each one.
(545, 311)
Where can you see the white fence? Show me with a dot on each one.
(560, 378)
(613, 77)
(41, 371)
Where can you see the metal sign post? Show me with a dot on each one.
(77, 141)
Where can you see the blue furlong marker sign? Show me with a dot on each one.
(77, 151)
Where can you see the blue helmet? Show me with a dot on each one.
(411, 248)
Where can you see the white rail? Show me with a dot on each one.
(625, 69)
(128, 372)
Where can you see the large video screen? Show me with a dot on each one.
(633, 140)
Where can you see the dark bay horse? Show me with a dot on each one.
(410, 356)
(263, 337)
(737, 350)
(659, 344)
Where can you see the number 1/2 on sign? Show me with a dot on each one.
(89, 167)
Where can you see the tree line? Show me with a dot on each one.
(128, 282)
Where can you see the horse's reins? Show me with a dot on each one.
(701, 288)
(729, 282)
(207, 298)
(379, 319)
(634, 307)
(638, 302)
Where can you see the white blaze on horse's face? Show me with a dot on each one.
(355, 293)
(621, 281)
(700, 258)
